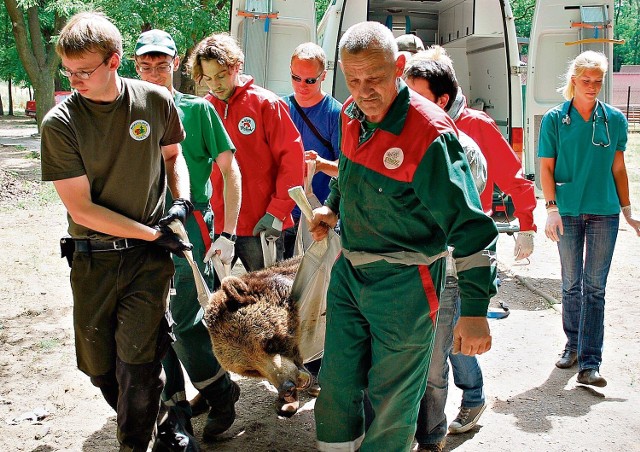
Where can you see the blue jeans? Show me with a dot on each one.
(586, 250)
(467, 375)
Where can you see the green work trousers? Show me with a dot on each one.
(380, 329)
(193, 344)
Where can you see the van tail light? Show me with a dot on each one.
(517, 141)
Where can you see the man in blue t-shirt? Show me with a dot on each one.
(317, 116)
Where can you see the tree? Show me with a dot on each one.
(187, 21)
(11, 69)
(627, 27)
(523, 18)
(34, 23)
(321, 7)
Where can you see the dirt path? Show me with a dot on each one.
(532, 405)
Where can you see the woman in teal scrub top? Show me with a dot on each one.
(585, 185)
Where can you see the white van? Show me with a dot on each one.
(479, 35)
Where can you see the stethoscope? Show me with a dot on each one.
(567, 121)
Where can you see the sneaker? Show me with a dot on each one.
(435, 447)
(466, 419)
(221, 416)
(314, 389)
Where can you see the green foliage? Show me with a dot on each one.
(627, 27)
(10, 66)
(188, 21)
(321, 7)
(523, 15)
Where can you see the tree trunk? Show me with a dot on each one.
(187, 84)
(10, 97)
(44, 96)
(36, 52)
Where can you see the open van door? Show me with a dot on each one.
(268, 32)
(339, 16)
(479, 35)
(562, 29)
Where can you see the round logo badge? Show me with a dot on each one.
(393, 158)
(139, 130)
(247, 125)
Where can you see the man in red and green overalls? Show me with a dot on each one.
(404, 193)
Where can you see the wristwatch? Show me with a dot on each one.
(550, 203)
(230, 237)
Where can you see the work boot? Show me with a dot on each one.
(567, 360)
(591, 377)
(199, 405)
(222, 413)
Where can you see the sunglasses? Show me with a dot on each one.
(308, 81)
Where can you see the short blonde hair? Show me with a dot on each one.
(89, 32)
(310, 51)
(587, 60)
(220, 47)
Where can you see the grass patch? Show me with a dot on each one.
(48, 344)
(33, 155)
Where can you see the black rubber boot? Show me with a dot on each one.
(222, 413)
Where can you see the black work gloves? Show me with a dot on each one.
(180, 210)
(170, 241)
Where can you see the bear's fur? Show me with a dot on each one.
(255, 329)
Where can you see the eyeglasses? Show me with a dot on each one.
(82, 75)
(308, 81)
(162, 69)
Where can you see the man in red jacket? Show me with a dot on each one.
(269, 148)
(504, 168)
(430, 73)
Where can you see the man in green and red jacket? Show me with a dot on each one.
(404, 192)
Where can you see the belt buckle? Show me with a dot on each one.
(116, 244)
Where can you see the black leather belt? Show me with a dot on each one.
(90, 246)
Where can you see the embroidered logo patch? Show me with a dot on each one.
(247, 125)
(139, 130)
(393, 158)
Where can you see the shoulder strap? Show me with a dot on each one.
(308, 122)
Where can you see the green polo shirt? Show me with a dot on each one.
(206, 139)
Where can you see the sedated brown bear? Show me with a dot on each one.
(255, 330)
